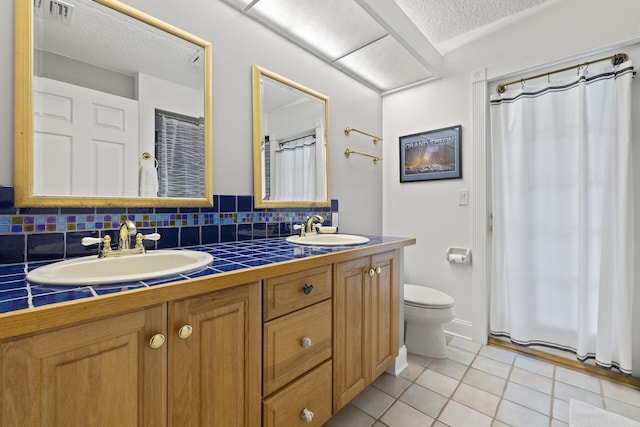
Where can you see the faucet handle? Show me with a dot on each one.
(140, 237)
(152, 236)
(88, 241)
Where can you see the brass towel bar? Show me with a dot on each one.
(616, 59)
(375, 138)
(347, 152)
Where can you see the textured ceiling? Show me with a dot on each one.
(441, 20)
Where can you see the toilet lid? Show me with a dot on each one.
(426, 297)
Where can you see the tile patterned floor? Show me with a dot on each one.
(482, 386)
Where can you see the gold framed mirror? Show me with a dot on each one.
(100, 91)
(290, 143)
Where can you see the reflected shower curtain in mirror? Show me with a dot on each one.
(295, 170)
(180, 154)
(562, 273)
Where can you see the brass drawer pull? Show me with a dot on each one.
(305, 342)
(157, 341)
(307, 288)
(378, 270)
(372, 272)
(185, 331)
(307, 415)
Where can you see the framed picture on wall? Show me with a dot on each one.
(430, 155)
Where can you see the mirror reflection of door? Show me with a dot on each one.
(85, 141)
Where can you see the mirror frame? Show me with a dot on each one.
(23, 119)
(257, 73)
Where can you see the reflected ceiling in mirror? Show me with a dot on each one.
(101, 91)
(290, 143)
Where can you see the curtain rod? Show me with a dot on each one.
(616, 59)
(178, 116)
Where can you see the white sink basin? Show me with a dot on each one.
(328, 240)
(91, 270)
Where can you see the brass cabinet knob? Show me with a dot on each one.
(305, 342)
(378, 270)
(185, 331)
(307, 415)
(307, 288)
(372, 272)
(157, 341)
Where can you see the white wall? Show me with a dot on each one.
(238, 42)
(429, 210)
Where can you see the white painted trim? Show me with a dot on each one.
(459, 328)
(400, 363)
(616, 38)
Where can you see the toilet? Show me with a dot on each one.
(426, 310)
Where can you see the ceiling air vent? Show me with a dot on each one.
(60, 11)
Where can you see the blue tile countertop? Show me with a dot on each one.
(18, 294)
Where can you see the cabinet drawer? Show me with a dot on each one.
(293, 291)
(311, 392)
(295, 343)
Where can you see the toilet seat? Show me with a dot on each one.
(424, 297)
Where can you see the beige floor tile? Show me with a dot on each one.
(560, 410)
(531, 380)
(621, 392)
(403, 415)
(424, 400)
(393, 386)
(534, 365)
(418, 359)
(578, 379)
(437, 382)
(477, 399)
(622, 408)
(497, 353)
(379, 424)
(458, 415)
(412, 372)
(350, 416)
(465, 344)
(497, 423)
(556, 423)
(528, 398)
(492, 366)
(461, 356)
(449, 368)
(519, 416)
(373, 401)
(567, 392)
(485, 381)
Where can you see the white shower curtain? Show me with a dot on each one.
(295, 169)
(562, 273)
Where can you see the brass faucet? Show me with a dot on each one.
(127, 228)
(308, 227)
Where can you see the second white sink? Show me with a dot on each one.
(328, 240)
(92, 270)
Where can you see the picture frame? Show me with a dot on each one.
(431, 155)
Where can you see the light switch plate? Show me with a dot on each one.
(463, 197)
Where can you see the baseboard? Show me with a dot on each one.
(400, 364)
(459, 328)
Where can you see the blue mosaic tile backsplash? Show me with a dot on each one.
(39, 234)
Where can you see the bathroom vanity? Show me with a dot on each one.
(281, 344)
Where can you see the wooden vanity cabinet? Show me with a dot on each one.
(365, 312)
(214, 359)
(106, 373)
(297, 341)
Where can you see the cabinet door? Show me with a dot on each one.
(384, 312)
(351, 330)
(101, 373)
(214, 373)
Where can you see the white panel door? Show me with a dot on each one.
(86, 142)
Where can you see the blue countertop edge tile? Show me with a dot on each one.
(18, 294)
